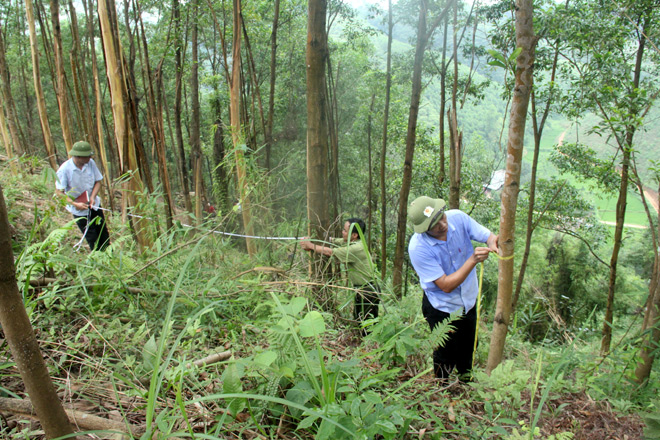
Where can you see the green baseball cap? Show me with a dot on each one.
(424, 212)
(81, 149)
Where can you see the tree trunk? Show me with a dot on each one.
(195, 140)
(116, 69)
(383, 150)
(651, 326)
(219, 153)
(105, 164)
(525, 40)
(317, 127)
(422, 38)
(6, 140)
(23, 343)
(178, 42)
(627, 149)
(455, 136)
(155, 117)
(370, 183)
(236, 131)
(442, 175)
(38, 89)
(61, 89)
(271, 94)
(538, 134)
(8, 101)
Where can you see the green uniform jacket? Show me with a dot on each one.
(356, 259)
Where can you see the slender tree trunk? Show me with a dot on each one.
(252, 69)
(651, 326)
(22, 342)
(422, 38)
(183, 168)
(8, 101)
(219, 152)
(455, 136)
(6, 140)
(195, 139)
(317, 126)
(271, 94)
(442, 175)
(80, 79)
(39, 91)
(155, 117)
(627, 149)
(105, 164)
(370, 184)
(61, 90)
(526, 40)
(237, 133)
(538, 134)
(116, 70)
(333, 137)
(383, 150)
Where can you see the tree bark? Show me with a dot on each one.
(455, 136)
(538, 126)
(627, 149)
(525, 40)
(383, 150)
(116, 70)
(8, 101)
(237, 133)
(155, 117)
(38, 89)
(195, 140)
(271, 94)
(61, 89)
(422, 38)
(23, 343)
(183, 169)
(651, 326)
(317, 127)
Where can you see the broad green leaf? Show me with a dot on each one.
(149, 353)
(312, 324)
(515, 54)
(265, 358)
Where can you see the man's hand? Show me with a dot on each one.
(307, 245)
(481, 254)
(80, 205)
(492, 243)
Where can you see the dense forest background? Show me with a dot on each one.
(286, 117)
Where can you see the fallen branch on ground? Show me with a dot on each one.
(83, 421)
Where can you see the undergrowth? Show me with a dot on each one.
(121, 331)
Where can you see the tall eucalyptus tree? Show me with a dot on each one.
(526, 42)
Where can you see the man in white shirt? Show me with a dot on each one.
(79, 180)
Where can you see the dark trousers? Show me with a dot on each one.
(97, 235)
(366, 302)
(458, 350)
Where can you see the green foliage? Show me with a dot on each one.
(652, 420)
(501, 392)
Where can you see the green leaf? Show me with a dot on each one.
(312, 324)
(515, 54)
(149, 353)
(386, 426)
(265, 358)
(496, 64)
(496, 55)
(307, 422)
(231, 384)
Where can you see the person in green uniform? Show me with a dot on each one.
(350, 251)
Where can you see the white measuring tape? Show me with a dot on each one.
(230, 234)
